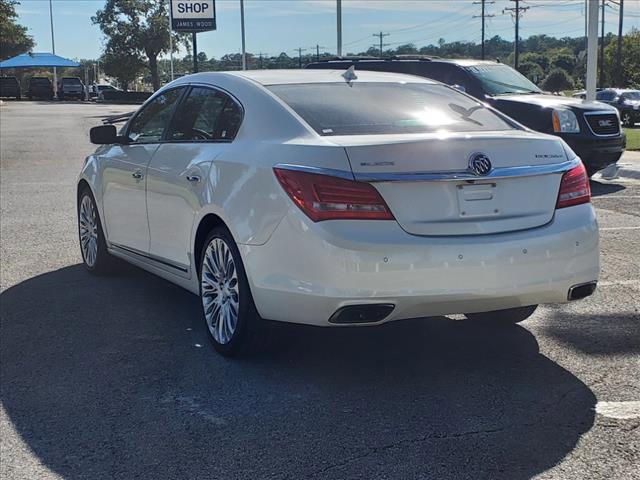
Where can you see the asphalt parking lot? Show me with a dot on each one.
(114, 377)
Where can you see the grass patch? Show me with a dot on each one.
(633, 138)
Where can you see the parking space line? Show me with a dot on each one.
(618, 283)
(614, 196)
(619, 410)
(605, 229)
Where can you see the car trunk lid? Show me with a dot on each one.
(427, 185)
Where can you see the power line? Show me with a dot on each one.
(484, 16)
(516, 11)
(381, 36)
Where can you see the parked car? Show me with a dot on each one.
(307, 197)
(95, 91)
(10, 88)
(591, 130)
(40, 87)
(70, 87)
(627, 101)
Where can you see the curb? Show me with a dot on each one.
(619, 171)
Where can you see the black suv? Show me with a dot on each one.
(626, 101)
(40, 87)
(592, 130)
(10, 87)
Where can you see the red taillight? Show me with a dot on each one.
(323, 197)
(574, 188)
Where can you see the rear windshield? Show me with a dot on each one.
(40, 81)
(71, 81)
(8, 81)
(386, 108)
(631, 95)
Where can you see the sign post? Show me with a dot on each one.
(193, 16)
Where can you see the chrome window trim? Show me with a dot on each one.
(455, 176)
(317, 170)
(603, 112)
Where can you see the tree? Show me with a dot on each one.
(532, 71)
(139, 27)
(13, 37)
(557, 80)
(122, 65)
(565, 61)
(630, 75)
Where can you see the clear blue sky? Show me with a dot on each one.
(275, 26)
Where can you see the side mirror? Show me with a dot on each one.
(460, 88)
(104, 135)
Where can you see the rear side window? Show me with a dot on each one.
(386, 108)
(149, 124)
(206, 114)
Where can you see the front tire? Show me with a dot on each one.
(93, 246)
(507, 316)
(627, 120)
(227, 304)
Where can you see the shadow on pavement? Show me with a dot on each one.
(114, 378)
(597, 334)
(598, 189)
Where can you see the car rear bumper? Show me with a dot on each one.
(306, 272)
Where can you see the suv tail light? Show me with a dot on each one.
(324, 197)
(574, 188)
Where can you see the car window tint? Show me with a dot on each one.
(206, 114)
(149, 124)
(198, 116)
(385, 108)
(230, 121)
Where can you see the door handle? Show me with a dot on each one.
(193, 178)
(137, 174)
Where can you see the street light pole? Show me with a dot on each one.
(53, 48)
(592, 49)
(339, 25)
(244, 52)
(171, 42)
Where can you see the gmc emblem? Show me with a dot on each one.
(605, 123)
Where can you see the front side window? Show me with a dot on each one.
(206, 114)
(500, 79)
(386, 108)
(149, 124)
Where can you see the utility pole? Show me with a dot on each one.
(601, 81)
(195, 53)
(318, 47)
(260, 59)
(339, 25)
(300, 50)
(53, 48)
(619, 50)
(244, 51)
(381, 36)
(483, 15)
(516, 12)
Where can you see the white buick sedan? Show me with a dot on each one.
(337, 198)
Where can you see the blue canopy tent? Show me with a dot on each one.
(35, 60)
(40, 60)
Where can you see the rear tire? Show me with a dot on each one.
(228, 309)
(507, 316)
(627, 120)
(97, 260)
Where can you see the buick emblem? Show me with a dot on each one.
(479, 164)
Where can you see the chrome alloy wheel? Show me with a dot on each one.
(88, 225)
(220, 291)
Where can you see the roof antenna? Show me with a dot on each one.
(350, 74)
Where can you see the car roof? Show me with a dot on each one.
(463, 62)
(280, 77)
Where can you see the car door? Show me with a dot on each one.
(124, 174)
(201, 130)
